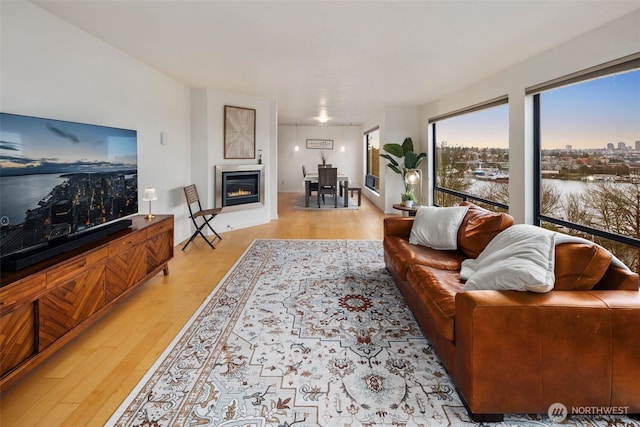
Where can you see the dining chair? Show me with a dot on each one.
(196, 211)
(328, 184)
(313, 186)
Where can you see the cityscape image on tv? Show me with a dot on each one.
(60, 178)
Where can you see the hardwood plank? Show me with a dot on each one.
(84, 382)
(58, 415)
(18, 405)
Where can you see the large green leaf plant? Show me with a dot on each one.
(407, 158)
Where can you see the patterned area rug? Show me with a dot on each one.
(328, 203)
(305, 333)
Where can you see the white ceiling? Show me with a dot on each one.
(346, 59)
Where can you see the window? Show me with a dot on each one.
(372, 146)
(471, 156)
(587, 136)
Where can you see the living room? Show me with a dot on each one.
(69, 67)
(51, 68)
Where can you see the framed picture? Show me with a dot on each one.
(239, 133)
(320, 144)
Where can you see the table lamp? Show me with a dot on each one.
(149, 196)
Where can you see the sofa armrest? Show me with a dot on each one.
(398, 226)
(520, 351)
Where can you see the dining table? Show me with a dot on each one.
(312, 176)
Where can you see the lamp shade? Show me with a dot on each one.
(149, 194)
(413, 176)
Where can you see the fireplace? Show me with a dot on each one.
(239, 187)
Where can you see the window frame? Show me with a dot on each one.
(370, 180)
(627, 63)
(496, 102)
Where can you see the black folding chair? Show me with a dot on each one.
(191, 193)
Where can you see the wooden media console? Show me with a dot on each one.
(46, 305)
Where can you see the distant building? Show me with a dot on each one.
(622, 146)
(610, 146)
(569, 147)
(638, 145)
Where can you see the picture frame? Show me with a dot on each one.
(239, 132)
(320, 144)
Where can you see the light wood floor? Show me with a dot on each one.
(85, 382)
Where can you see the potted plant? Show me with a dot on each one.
(324, 156)
(410, 160)
(408, 198)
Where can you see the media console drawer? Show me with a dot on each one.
(47, 305)
(125, 243)
(159, 228)
(23, 291)
(73, 267)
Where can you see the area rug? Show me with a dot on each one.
(328, 203)
(305, 333)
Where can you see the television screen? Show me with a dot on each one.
(62, 178)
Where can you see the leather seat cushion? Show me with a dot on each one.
(437, 291)
(478, 227)
(403, 254)
(579, 266)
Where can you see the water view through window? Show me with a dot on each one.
(589, 144)
(472, 155)
(590, 158)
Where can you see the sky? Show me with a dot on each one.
(589, 114)
(483, 128)
(35, 145)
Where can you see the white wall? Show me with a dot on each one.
(290, 161)
(207, 108)
(614, 40)
(52, 69)
(400, 123)
(396, 124)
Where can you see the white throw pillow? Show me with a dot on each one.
(519, 258)
(437, 227)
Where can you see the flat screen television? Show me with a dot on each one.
(59, 181)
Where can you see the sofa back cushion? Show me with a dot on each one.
(437, 227)
(479, 227)
(579, 266)
(617, 278)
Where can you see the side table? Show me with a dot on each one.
(406, 211)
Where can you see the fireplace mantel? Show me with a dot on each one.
(222, 170)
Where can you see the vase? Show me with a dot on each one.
(408, 203)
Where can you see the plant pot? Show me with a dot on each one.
(408, 203)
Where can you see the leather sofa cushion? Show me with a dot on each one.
(437, 290)
(617, 278)
(478, 227)
(403, 254)
(579, 266)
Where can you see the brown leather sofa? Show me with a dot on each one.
(520, 352)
